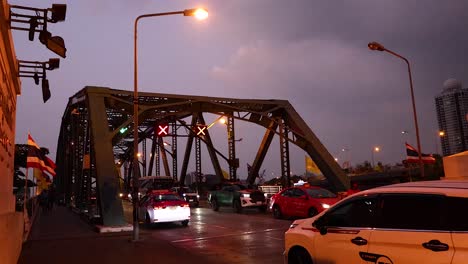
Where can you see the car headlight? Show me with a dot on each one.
(326, 206)
(266, 195)
(120, 194)
(293, 225)
(246, 195)
(198, 196)
(183, 194)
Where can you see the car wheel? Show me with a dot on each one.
(277, 212)
(237, 206)
(312, 212)
(214, 204)
(185, 222)
(299, 256)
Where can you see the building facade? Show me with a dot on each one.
(11, 222)
(452, 116)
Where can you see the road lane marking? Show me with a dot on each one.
(228, 235)
(275, 238)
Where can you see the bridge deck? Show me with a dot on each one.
(61, 236)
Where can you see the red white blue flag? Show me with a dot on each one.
(36, 159)
(412, 156)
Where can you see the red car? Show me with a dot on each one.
(301, 201)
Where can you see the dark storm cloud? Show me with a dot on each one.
(312, 53)
(315, 54)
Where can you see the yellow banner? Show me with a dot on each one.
(311, 167)
(42, 183)
(225, 174)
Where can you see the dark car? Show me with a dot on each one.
(238, 197)
(302, 201)
(189, 195)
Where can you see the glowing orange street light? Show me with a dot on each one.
(221, 120)
(375, 149)
(199, 14)
(380, 47)
(441, 133)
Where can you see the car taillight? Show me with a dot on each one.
(184, 205)
(158, 207)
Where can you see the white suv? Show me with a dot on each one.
(416, 222)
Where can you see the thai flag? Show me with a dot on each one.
(413, 157)
(37, 159)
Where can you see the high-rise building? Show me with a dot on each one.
(452, 115)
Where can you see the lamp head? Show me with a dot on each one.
(45, 90)
(57, 45)
(199, 13)
(36, 78)
(53, 64)
(376, 46)
(59, 11)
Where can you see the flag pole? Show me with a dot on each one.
(25, 181)
(25, 197)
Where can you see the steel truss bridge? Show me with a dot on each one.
(96, 143)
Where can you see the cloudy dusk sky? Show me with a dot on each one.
(312, 53)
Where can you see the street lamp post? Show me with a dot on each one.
(198, 13)
(347, 157)
(440, 135)
(375, 149)
(380, 47)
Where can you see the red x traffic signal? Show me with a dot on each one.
(200, 129)
(162, 130)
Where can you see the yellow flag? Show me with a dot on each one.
(311, 167)
(42, 183)
(225, 174)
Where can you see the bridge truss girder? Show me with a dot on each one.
(106, 115)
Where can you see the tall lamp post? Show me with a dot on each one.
(380, 47)
(198, 13)
(375, 149)
(440, 135)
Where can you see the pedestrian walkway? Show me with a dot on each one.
(61, 236)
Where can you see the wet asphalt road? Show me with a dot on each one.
(224, 236)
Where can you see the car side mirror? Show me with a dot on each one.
(323, 230)
(320, 225)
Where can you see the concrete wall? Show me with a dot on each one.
(456, 166)
(11, 237)
(11, 222)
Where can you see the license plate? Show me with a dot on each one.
(190, 200)
(259, 202)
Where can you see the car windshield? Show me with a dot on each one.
(166, 197)
(320, 193)
(187, 190)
